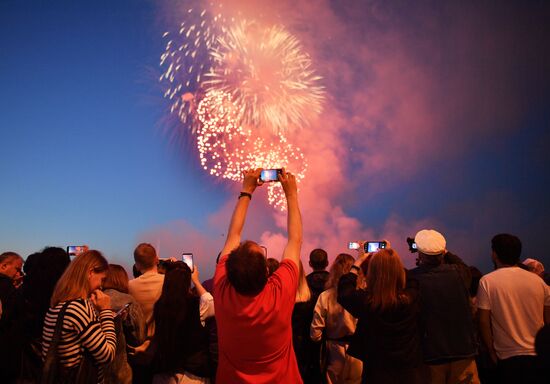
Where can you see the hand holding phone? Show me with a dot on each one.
(123, 310)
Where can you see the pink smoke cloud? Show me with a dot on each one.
(407, 88)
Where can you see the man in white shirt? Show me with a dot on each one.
(514, 304)
(146, 289)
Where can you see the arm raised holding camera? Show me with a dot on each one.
(250, 182)
(294, 218)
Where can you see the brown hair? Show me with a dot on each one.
(318, 259)
(74, 283)
(145, 256)
(246, 269)
(385, 280)
(117, 278)
(340, 266)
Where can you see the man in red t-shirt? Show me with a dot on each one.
(253, 311)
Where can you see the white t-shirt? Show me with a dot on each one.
(146, 289)
(516, 299)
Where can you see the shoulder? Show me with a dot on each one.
(326, 295)
(288, 263)
(287, 269)
(80, 308)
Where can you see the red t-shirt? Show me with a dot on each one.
(255, 333)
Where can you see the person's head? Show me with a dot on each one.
(506, 249)
(431, 246)
(534, 266)
(340, 266)
(385, 279)
(318, 259)
(246, 268)
(11, 265)
(43, 270)
(176, 286)
(272, 265)
(145, 257)
(303, 293)
(84, 275)
(116, 278)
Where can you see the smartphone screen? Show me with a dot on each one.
(373, 246)
(121, 310)
(187, 258)
(353, 245)
(75, 250)
(269, 175)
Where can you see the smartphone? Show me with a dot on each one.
(269, 175)
(122, 310)
(412, 245)
(187, 258)
(353, 245)
(75, 250)
(373, 246)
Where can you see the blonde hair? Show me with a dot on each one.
(340, 266)
(74, 283)
(303, 293)
(385, 280)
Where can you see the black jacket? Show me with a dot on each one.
(446, 319)
(382, 339)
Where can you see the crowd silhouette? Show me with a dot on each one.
(366, 319)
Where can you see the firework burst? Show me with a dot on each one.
(268, 76)
(226, 148)
(242, 89)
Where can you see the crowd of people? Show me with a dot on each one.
(262, 320)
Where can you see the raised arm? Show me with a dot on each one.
(294, 219)
(250, 182)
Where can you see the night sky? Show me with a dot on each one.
(436, 116)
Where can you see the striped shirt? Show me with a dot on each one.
(82, 328)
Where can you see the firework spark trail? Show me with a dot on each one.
(186, 60)
(226, 149)
(241, 89)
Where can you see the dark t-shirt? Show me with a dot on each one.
(316, 281)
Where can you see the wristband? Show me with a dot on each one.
(356, 268)
(243, 194)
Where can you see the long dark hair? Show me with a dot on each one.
(171, 311)
(386, 280)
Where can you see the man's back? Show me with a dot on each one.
(316, 281)
(516, 299)
(446, 318)
(255, 333)
(146, 289)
